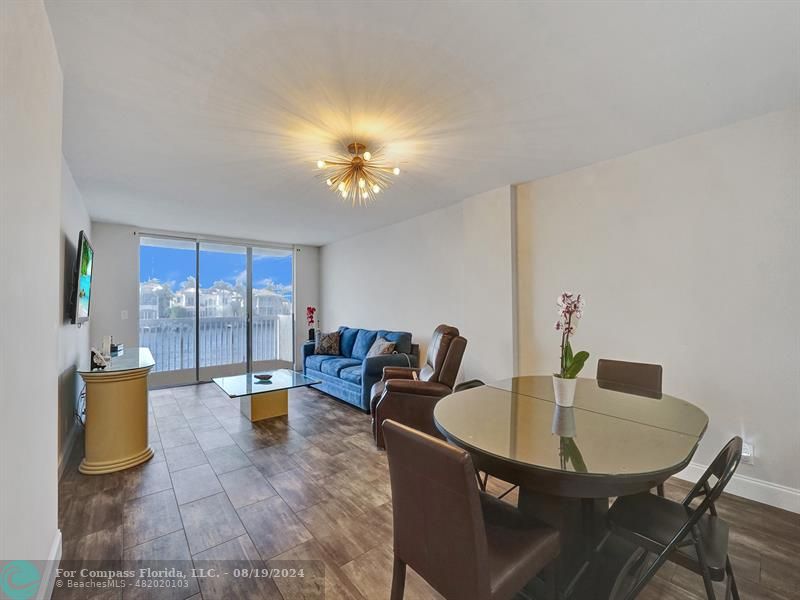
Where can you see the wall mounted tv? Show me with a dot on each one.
(82, 280)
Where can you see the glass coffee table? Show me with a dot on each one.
(259, 399)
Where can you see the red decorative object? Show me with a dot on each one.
(310, 310)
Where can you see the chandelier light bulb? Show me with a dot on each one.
(357, 175)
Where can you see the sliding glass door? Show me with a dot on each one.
(168, 307)
(223, 310)
(208, 309)
(273, 301)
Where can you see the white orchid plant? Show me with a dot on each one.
(570, 309)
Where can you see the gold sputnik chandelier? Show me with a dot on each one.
(359, 177)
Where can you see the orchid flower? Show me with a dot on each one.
(570, 309)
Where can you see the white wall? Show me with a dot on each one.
(452, 266)
(115, 284)
(306, 289)
(687, 256)
(404, 277)
(489, 290)
(30, 192)
(73, 341)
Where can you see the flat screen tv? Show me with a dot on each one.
(82, 280)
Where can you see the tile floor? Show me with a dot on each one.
(311, 490)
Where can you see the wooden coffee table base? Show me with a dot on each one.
(265, 406)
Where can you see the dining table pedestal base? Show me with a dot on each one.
(583, 572)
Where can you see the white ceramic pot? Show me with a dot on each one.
(564, 390)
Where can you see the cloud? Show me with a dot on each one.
(279, 255)
(284, 289)
(281, 288)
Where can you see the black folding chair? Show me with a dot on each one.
(691, 536)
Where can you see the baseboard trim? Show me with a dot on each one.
(66, 451)
(774, 494)
(51, 569)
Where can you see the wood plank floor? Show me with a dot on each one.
(311, 490)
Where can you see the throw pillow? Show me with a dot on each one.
(327, 343)
(381, 346)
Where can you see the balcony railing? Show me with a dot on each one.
(223, 340)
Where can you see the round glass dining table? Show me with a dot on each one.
(568, 462)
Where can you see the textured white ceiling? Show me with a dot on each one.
(209, 116)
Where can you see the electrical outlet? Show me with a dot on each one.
(123, 315)
(748, 453)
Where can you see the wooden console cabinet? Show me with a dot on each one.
(116, 414)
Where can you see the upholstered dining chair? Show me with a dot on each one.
(466, 544)
(687, 533)
(402, 397)
(639, 379)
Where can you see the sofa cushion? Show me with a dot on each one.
(332, 367)
(381, 346)
(401, 339)
(364, 341)
(315, 361)
(351, 374)
(347, 339)
(327, 343)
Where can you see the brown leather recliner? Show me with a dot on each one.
(398, 396)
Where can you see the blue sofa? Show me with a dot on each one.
(350, 375)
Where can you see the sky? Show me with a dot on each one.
(174, 265)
